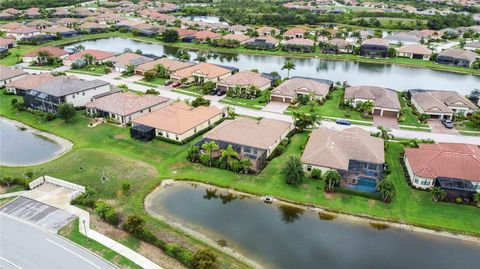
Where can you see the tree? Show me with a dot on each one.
(79, 48)
(293, 171)
(385, 134)
(149, 75)
(366, 107)
(134, 224)
(209, 148)
(228, 155)
(316, 173)
(289, 65)
(129, 69)
(245, 165)
(387, 190)
(204, 259)
(201, 58)
(162, 71)
(476, 198)
(43, 57)
(200, 101)
(101, 208)
(88, 58)
(303, 120)
(474, 95)
(332, 178)
(438, 194)
(183, 55)
(170, 35)
(193, 154)
(66, 111)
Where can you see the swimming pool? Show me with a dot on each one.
(364, 184)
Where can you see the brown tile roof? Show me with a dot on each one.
(340, 43)
(415, 49)
(36, 23)
(300, 41)
(171, 65)
(57, 29)
(185, 32)
(261, 134)
(461, 161)
(239, 38)
(178, 118)
(6, 41)
(11, 25)
(294, 31)
(295, 85)
(92, 25)
(206, 69)
(7, 72)
(68, 21)
(266, 39)
(245, 78)
(382, 97)
(97, 54)
(334, 149)
(53, 51)
(125, 59)
(439, 101)
(376, 41)
(125, 103)
(29, 82)
(266, 29)
(206, 34)
(459, 54)
(23, 30)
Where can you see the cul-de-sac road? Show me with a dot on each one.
(24, 245)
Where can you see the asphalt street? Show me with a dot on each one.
(24, 245)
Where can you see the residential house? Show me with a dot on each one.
(7, 27)
(472, 46)
(53, 52)
(99, 56)
(385, 101)
(204, 36)
(13, 11)
(127, 24)
(238, 29)
(450, 166)
(202, 72)
(441, 104)
(122, 61)
(93, 27)
(125, 106)
(8, 43)
(242, 39)
(186, 35)
(8, 75)
(48, 96)
(28, 82)
(337, 45)
(353, 152)
(263, 42)
(458, 57)
(294, 33)
(6, 16)
(59, 30)
(267, 31)
(403, 38)
(146, 29)
(23, 32)
(414, 51)
(289, 90)
(69, 22)
(243, 80)
(172, 65)
(250, 138)
(39, 24)
(375, 47)
(33, 13)
(299, 45)
(176, 122)
(61, 12)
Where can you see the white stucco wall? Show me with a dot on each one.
(191, 132)
(82, 98)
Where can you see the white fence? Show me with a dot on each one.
(62, 183)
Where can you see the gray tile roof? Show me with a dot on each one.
(65, 86)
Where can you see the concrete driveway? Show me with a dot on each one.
(276, 107)
(437, 127)
(388, 122)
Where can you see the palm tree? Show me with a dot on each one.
(366, 107)
(438, 194)
(88, 58)
(289, 65)
(210, 147)
(79, 48)
(385, 134)
(228, 155)
(162, 71)
(386, 188)
(332, 178)
(42, 57)
(245, 164)
(201, 58)
(183, 55)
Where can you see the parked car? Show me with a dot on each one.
(214, 92)
(268, 199)
(221, 92)
(447, 123)
(343, 122)
(168, 82)
(176, 84)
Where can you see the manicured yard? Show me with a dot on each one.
(156, 81)
(256, 103)
(408, 118)
(96, 70)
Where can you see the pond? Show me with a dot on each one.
(207, 19)
(386, 75)
(20, 146)
(280, 236)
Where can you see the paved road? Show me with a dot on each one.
(25, 246)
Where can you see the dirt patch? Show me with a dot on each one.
(121, 136)
(371, 203)
(329, 195)
(157, 256)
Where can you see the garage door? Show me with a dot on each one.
(392, 114)
(276, 99)
(376, 112)
(138, 72)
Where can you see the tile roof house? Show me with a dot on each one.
(430, 163)
(385, 101)
(63, 31)
(238, 29)
(238, 37)
(8, 43)
(375, 47)
(71, 90)
(125, 106)
(8, 75)
(251, 138)
(68, 22)
(61, 12)
(99, 56)
(52, 51)
(179, 121)
(125, 59)
(353, 152)
(23, 32)
(458, 57)
(294, 33)
(414, 51)
(403, 38)
(10, 26)
(39, 24)
(289, 90)
(262, 42)
(299, 45)
(93, 27)
(473, 46)
(202, 72)
(441, 104)
(244, 79)
(338, 45)
(267, 31)
(33, 12)
(186, 34)
(171, 65)
(28, 82)
(203, 36)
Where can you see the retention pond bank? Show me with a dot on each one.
(282, 236)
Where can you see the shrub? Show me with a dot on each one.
(316, 173)
(111, 217)
(458, 200)
(86, 199)
(133, 224)
(293, 171)
(204, 259)
(101, 208)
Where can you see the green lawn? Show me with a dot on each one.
(255, 103)
(331, 108)
(96, 70)
(72, 233)
(155, 81)
(408, 118)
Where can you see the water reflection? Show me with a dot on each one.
(226, 197)
(290, 214)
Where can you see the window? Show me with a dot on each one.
(247, 149)
(309, 168)
(73, 96)
(176, 137)
(425, 182)
(83, 93)
(416, 180)
(195, 130)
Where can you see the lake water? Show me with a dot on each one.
(21, 147)
(289, 237)
(208, 19)
(385, 75)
